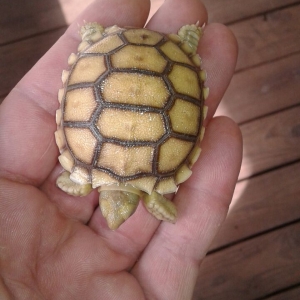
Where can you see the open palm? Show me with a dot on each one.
(55, 246)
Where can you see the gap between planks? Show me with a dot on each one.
(270, 142)
(263, 90)
(259, 205)
(252, 269)
(233, 11)
(288, 293)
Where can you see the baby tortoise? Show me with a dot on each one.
(131, 118)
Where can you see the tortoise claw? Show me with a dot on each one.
(160, 207)
(68, 186)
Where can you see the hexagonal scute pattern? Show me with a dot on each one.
(132, 110)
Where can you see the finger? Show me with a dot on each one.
(77, 208)
(218, 50)
(136, 232)
(175, 13)
(36, 223)
(27, 117)
(202, 206)
(79, 261)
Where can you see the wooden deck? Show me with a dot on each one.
(256, 254)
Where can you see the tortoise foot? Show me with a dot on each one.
(91, 31)
(68, 186)
(160, 207)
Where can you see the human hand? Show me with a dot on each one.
(56, 246)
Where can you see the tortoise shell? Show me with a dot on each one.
(132, 110)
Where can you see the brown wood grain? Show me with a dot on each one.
(266, 38)
(17, 58)
(227, 11)
(263, 90)
(20, 19)
(291, 294)
(260, 204)
(270, 142)
(252, 269)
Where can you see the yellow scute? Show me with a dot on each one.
(87, 69)
(142, 36)
(130, 125)
(185, 81)
(172, 153)
(82, 143)
(139, 57)
(126, 161)
(185, 117)
(79, 104)
(105, 45)
(133, 88)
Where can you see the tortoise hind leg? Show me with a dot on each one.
(160, 207)
(70, 187)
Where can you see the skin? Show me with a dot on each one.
(55, 246)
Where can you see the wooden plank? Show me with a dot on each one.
(262, 90)
(266, 38)
(292, 294)
(270, 142)
(227, 11)
(260, 204)
(252, 269)
(19, 57)
(20, 19)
